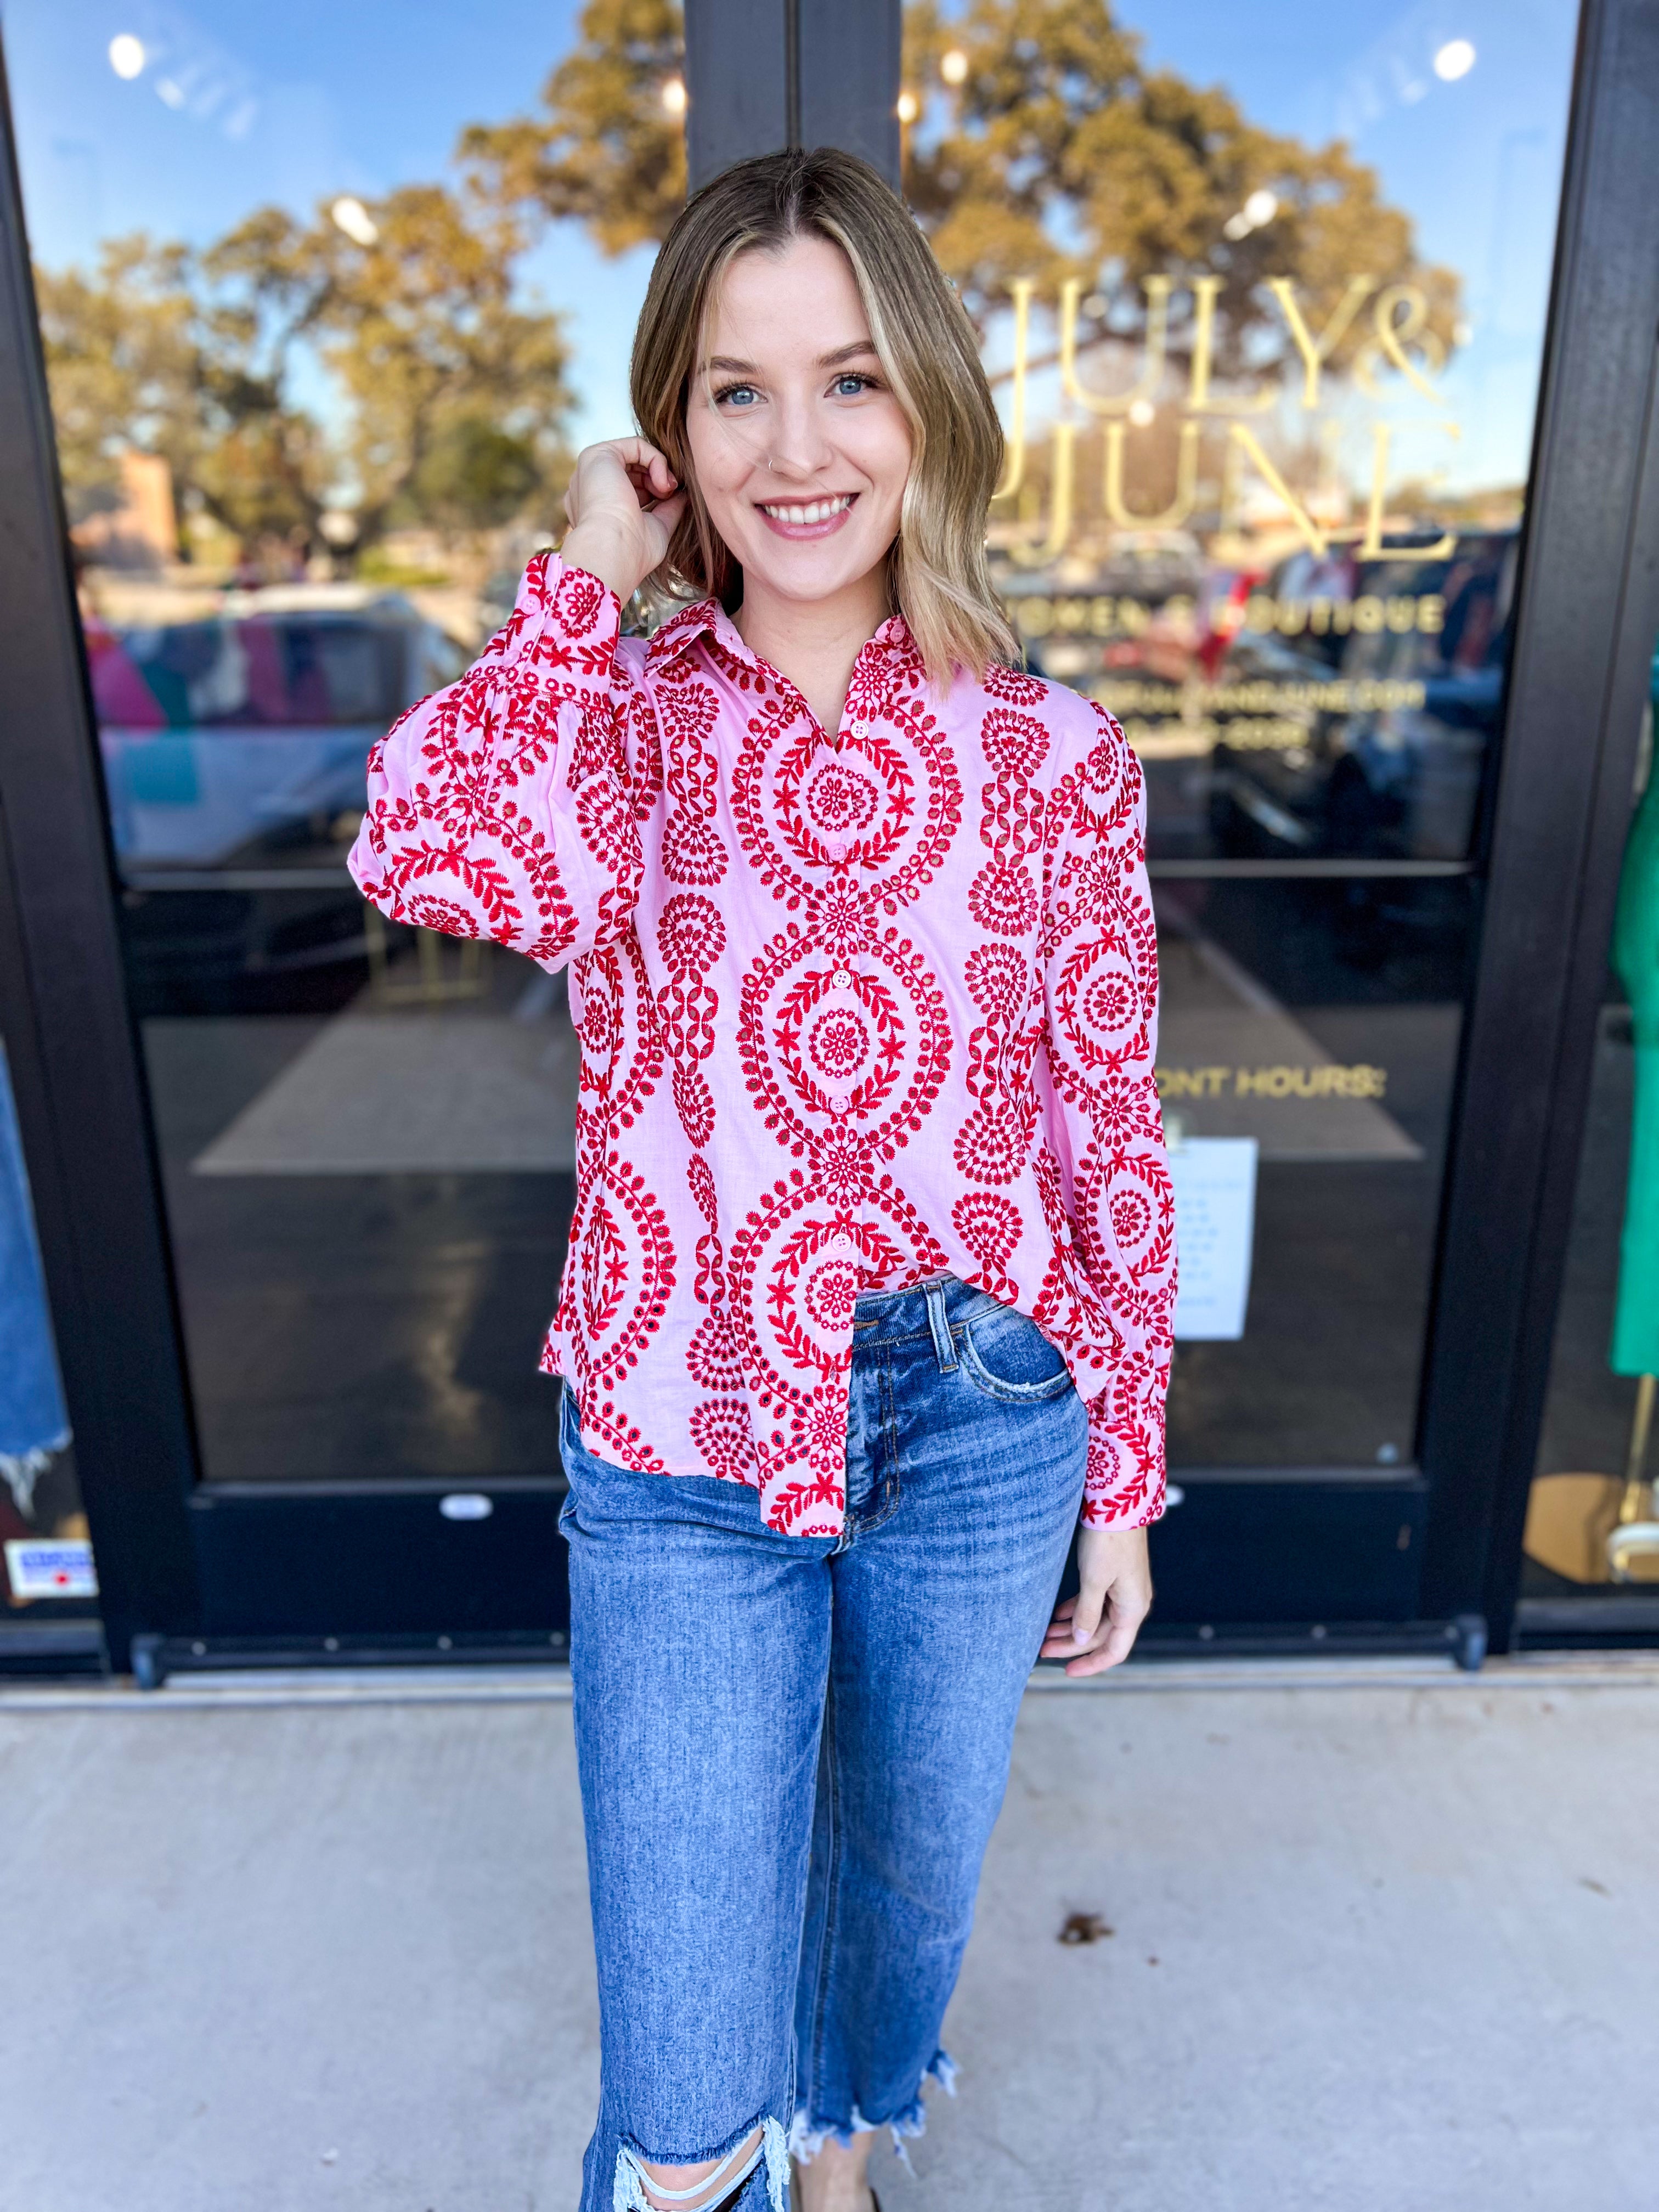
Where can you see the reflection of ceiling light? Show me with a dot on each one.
(1142, 413)
(953, 66)
(909, 108)
(126, 55)
(1236, 226)
(673, 96)
(350, 215)
(1455, 59)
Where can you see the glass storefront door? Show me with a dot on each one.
(330, 302)
(1263, 294)
(330, 299)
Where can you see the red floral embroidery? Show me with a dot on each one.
(838, 1032)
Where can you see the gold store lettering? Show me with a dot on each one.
(1401, 326)
(1362, 1080)
(1060, 504)
(1401, 613)
(1145, 387)
(1368, 696)
(1316, 351)
(1186, 486)
(1099, 615)
(1014, 475)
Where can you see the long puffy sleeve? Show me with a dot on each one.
(1100, 954)
(509, 805)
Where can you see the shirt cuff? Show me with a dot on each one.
(1124, 1486)
(565, 623)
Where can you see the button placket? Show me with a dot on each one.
(837, 850)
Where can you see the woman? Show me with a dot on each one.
(871, 1267)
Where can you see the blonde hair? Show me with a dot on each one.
(937, 575)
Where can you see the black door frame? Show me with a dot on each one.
(185, 1565)
(82, 1103)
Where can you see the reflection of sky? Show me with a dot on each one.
(1477, 164)
(293, 104)
(297, 103)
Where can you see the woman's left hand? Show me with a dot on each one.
(1096, 1629)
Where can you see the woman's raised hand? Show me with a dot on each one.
(622, 504)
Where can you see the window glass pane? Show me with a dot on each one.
(331, 297)
(1593, 1520)
(1263, 295)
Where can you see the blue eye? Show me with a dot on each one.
(737, 395)
(850, 385)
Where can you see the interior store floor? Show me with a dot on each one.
(1376, 1936)
(369, 1213)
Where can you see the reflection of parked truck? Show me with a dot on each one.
(1394, 759)
(234, 749)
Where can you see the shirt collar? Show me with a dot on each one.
(892, 644)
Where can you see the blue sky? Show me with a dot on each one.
(293, 104)
(310, 100)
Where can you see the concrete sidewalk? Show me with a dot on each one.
(1384, 1938)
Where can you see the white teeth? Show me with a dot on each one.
(818, 510)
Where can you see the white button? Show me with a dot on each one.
(860, 729)
(841, 1243)
(840, 1103)
(843, 979)
(837, 849)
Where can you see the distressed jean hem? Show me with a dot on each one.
(628, 2190)
(807, 2136)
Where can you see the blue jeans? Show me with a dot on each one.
(792, 1749)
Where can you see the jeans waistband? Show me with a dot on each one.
(884, 1316)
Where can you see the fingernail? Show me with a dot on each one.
(1078, 1636)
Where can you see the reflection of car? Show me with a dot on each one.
(233, 748)
(1359, 704)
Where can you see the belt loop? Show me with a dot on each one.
(945, 1350)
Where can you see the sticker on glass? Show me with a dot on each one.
(50, 1567)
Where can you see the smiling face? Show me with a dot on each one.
(800, 449)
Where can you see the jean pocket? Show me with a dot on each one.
(1009, 1358)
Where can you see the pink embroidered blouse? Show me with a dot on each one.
(854, 1014)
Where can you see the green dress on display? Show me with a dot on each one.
(1636, 957)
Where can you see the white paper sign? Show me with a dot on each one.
(39, 1566)
(1214, 1180)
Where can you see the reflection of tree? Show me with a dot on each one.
(455, 395)
(140, 356)
(420, 329)
(1055, 156)
(1049, 152)
(606, 149)
(1058, 154)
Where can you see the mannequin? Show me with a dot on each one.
(1635, 1317)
